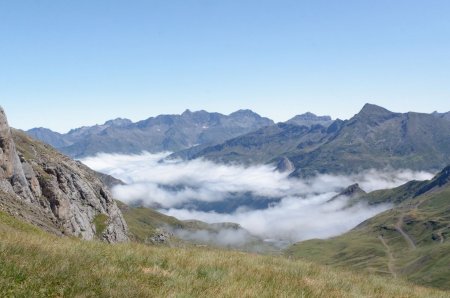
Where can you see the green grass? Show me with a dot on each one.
(101, 222)
(426, 219)
(36, 264)
(145, 223)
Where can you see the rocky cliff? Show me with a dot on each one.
(50, 190)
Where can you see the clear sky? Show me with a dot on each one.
(66, 63)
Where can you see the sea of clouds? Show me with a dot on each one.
(302, 209)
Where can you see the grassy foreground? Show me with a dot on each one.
(36, 264)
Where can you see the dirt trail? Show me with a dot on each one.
(391, 258)
(399, 223)
(441, 236)
(398, 227)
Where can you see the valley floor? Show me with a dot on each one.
(36, 264)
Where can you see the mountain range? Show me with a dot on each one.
(375, 138)
(155, 134)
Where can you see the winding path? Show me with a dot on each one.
(390, 257)
(398, 227)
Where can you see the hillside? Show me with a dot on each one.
(375, 138)
(410, 241)
(37, 264)
(267, 144)
(378, 138)
(48, 189)
(155, 134)
(152, 227)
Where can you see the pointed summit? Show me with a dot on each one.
(374, 110)
(369, 108)
(352, 190)
(285, 165)
(186, 112)
(374, 113)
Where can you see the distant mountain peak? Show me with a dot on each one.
(186, 112)
(161, 133)
(312, 116)
(118, 122)
(310, 119)
(189, 113)
(309, 114)
(42, 129)
(352, 190)
(445, 116)
(372, 109)
(244, 112)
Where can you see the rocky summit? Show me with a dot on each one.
(310, 119)
(54, 192)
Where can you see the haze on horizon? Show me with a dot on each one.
(69, 64)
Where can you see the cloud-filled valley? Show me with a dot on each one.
(267, 203)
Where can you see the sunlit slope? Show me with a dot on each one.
(410, 241)
(152, 227)
(36, 264)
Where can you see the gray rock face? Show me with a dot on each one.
(161, 237)
(10, 166)
(285, 166)
(352, 190)
(53, 191)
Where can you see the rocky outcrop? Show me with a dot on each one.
(49, 189)
(12, 176)
(441, 179)
(160, 237)
(352, 192)
(285, 166)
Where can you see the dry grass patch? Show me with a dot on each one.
(35, 264)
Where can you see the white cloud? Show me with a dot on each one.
(302, 211)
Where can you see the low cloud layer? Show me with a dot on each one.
(301, 209)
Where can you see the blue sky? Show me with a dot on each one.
(69, 63)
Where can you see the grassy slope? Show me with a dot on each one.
(424, 219)
(145, 223)
(38, 264)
